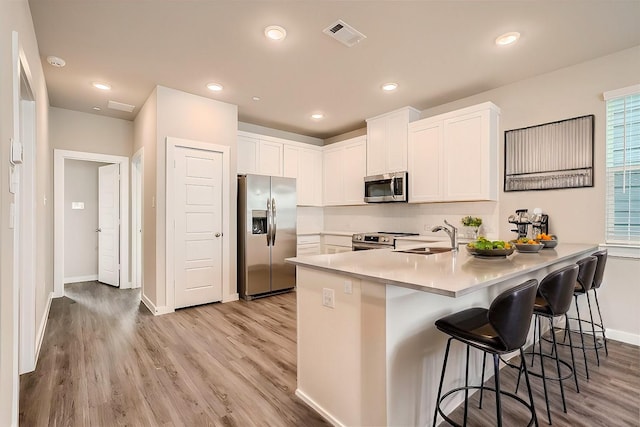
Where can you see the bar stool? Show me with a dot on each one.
(597, 282)
(499, 330)
(586, 273)
(553, 299)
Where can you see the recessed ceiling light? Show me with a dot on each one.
(317, 116)
(275, 32)
(56, 61)
(256, 98)
(101, 86)
(388, 87)
(96, 108)
(216, 87)
(508, 38)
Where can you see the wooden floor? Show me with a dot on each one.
(106, 361)
(610, 398)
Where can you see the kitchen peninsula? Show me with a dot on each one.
(368, 350)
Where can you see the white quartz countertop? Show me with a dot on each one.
(451, 274)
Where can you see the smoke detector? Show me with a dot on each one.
(344, 33)
(120, 106)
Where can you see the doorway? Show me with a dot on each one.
(120, 264)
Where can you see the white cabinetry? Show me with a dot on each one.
(454, 156)
(259, 155)
(334, 244)
(309, 245)
(344, 171)
(305, 164)
(387, 141)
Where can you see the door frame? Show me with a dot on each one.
(137, 212)
(172, 143)
(59, 157)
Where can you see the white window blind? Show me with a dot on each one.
(623, 166)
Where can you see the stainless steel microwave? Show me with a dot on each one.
(389, 187)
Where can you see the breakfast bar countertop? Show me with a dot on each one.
(452, 274)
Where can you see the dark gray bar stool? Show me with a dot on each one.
(553, 299)
(499, 330)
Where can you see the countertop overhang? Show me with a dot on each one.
(452, 274)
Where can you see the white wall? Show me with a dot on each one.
(172, 113)
(15, 16)
(91, 133)
(80, 237)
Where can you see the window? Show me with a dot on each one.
(623, 166)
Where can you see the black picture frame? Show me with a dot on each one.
(550, 156)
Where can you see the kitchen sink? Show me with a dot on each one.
(425, 250)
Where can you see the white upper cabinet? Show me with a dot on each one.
(259, 155)
(454, 156)
(387, 141)
(305, 164)
(344, 171)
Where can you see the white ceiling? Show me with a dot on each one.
(437, 51)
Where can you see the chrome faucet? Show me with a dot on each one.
(453, 234)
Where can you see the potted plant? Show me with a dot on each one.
(473, 223)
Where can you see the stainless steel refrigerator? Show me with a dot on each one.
(266, 234)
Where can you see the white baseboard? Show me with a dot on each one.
(76, 279)
(624, 337)
(156, 311)
(319, 409)
(42, 329)
(231, 298)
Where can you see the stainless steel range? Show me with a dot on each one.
(379, 240)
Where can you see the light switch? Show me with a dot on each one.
(77, 205)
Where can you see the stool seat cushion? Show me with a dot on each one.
(471, 325)
(541, 306)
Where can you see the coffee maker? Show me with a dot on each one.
(522, 219)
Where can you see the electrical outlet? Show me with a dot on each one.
(328, 297)
(348, 287)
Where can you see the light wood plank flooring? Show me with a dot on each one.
(106, 361)
(610, 398)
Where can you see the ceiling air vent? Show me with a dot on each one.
(344, 33)
(121, 106)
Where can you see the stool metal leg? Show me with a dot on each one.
(523, 367)
(573, 359)
(444, 367)
(593, 329)
(604, 337)
(484, 362)
(496, 368)
(466, 390)
(544, 380)
(555, 347)
(584, 352)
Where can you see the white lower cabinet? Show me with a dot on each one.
(335, 243)
(454, 156)
(344, 165)
(309, 245)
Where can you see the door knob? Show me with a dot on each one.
(98, 230)
(218, 234)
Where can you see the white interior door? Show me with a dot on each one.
(109, 224)
(198, 226)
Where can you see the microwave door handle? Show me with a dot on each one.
(393, 187)
(268, 222)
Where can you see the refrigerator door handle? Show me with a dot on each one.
(268, 222)
(274, 218)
